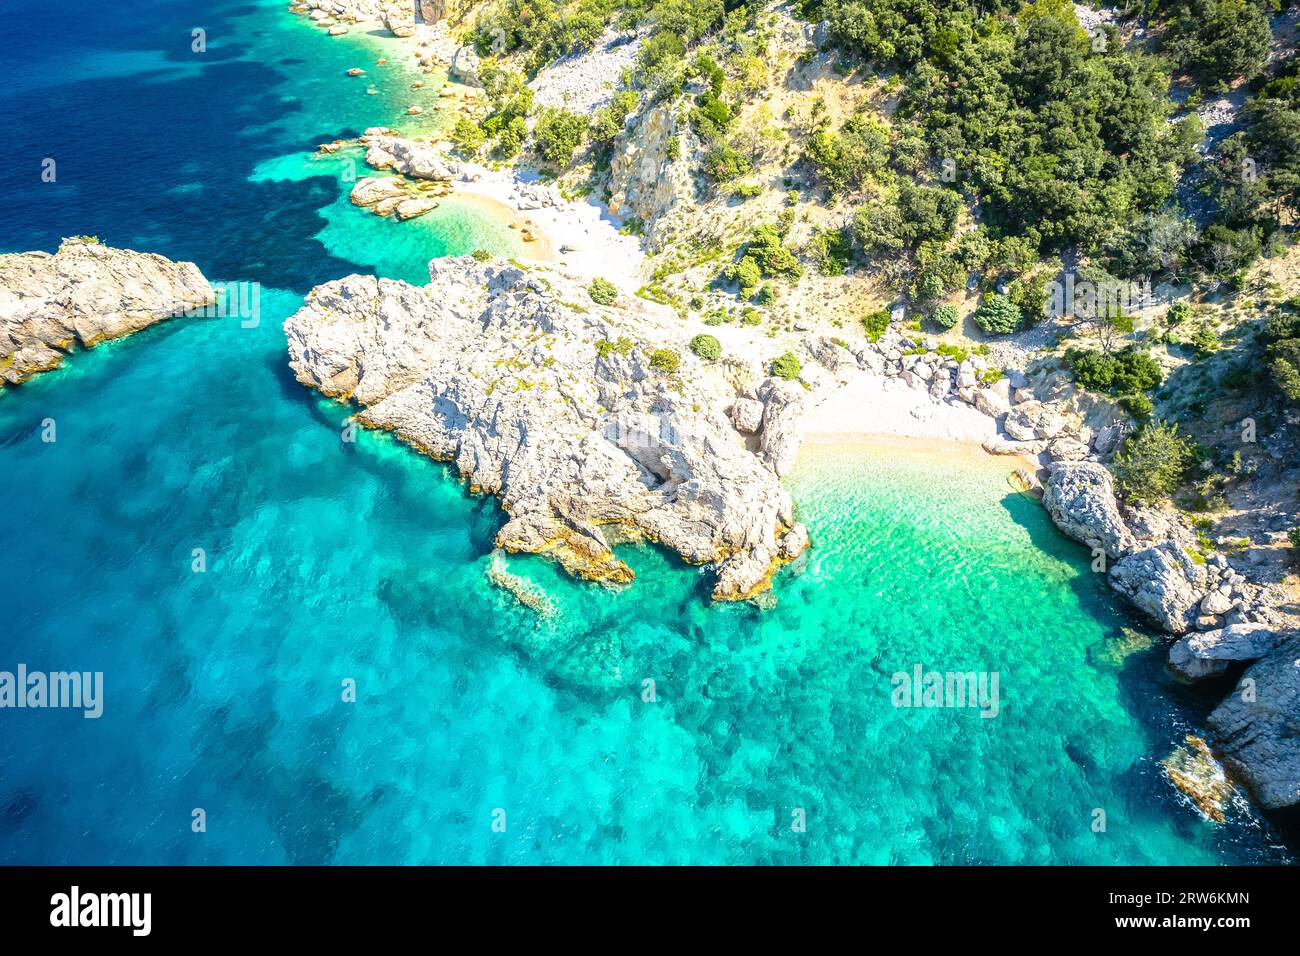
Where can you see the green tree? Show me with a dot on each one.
(467, 137)
(998, 315)
(1152, 463)
(746, 274)
(558, 134)
(945, 316)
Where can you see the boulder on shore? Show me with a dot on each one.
(1080, 498)
(1164, 582)
(1209, 653)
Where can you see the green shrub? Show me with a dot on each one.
(1152, 463)
(1139, 406)
(945, 316)
(1123, 373)
(787, 366)
(1293, 536)
(998, 315)
(602, 291)
(665, 360)
(746, 274)
(1204, 340)
(917, 214)
(1282, 344)
(467, 137)
(876, 324)
(620, 346)
(850, 157)
(772, 258)
(711, 116)
(1178, 313)
(558, 134)
(706, 347)
(482, 255)
(833, 250)
(607, 123)
(723, 164)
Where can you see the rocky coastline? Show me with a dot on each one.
(563, 475)
(84, 294)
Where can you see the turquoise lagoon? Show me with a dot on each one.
(330, 562)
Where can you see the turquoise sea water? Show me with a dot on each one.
(329, 562)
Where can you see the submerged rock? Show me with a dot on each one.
(1193, 770)
(84, 294)
(521, 589)
(558, 411)
(1257, 728)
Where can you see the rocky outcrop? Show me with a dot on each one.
(1257, 728)
(1081, 500)
(409, 157)
(1193, 770)
(1164, 582)
(84, 294)
(464, 66)
(1210, 653)
(646, 179)
(558, 411)
(781, 432)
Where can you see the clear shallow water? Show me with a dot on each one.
(329, 561)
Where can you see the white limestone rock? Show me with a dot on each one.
(487, 367)
(84, 294)
(1164, 582)
(1081, 500)
(1213, 652)
(1256, 732)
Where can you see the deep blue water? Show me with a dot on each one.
(330, 562)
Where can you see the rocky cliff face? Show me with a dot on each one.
(645, 179)
(1258, 727)
(84, 294)
(549, 401)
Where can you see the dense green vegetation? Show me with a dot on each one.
(557, 135)
(1123, 373)
(1282, 342)
(1152, 462)
(1017, 137)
